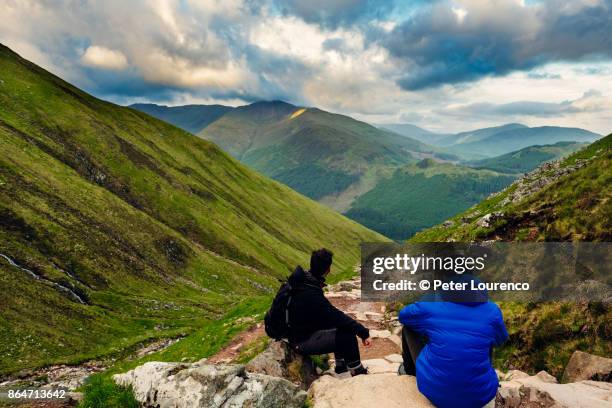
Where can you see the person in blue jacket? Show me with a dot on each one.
(448, 345)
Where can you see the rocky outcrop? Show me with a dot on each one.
(175, 385)
(279, 360)
(585, 366)
(520, 390)
(367, 391)
(488, 220)
(539, 178)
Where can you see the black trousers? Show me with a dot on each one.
(340, 342)
(412, 344)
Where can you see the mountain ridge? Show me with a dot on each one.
(192, 118)
(318, 153)
(526, 159)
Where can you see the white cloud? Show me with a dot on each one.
(104, 58)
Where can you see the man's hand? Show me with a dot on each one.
(366, 342)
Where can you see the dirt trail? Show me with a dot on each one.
(232, 351)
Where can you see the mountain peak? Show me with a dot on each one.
(271, 104)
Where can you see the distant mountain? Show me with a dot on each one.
(527, 159)
(478, 134)
(419, 195)
(117, 228)
(323, 155)
(494, 142)
(415, 132)
(192, 118)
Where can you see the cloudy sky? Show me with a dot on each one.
(444, 65)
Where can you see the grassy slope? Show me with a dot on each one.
(576, 207)
(316, 152)
(527, 159)
(420, 195)
(192, 118)
(161, 232)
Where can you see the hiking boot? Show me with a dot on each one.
(340, 367)
(361, 370)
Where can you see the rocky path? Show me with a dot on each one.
(232, 351)
(383, 356)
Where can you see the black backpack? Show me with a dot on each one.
(277, 318)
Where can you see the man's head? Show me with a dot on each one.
(320, 262)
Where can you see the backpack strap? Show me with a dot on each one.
(287, 311)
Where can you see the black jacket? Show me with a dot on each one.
(310, 310)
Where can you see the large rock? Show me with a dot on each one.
(200, 385)
(585, 366)
(543, 391)
(279, 360)
(367, 391)
(381, 365)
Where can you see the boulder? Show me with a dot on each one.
(380, 334)
(367, 391)
(381, 366)
(279, 360)
(542, 391)
(394, 358)
(585, 366)
(174, 385)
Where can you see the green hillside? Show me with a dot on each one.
(116, 227)
(423, 194)
(567, 201)
(315, 152)
(572, 206)
(527, 159)
(192, 118)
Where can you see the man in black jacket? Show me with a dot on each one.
(315, 325)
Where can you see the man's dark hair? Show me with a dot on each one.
(320, 261)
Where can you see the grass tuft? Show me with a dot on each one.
(102, 392)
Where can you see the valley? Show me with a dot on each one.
(369, 173)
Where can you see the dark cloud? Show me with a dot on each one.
(122, 85)
(335, 13)
(442, 44)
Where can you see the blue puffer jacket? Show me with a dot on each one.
(453, 369)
